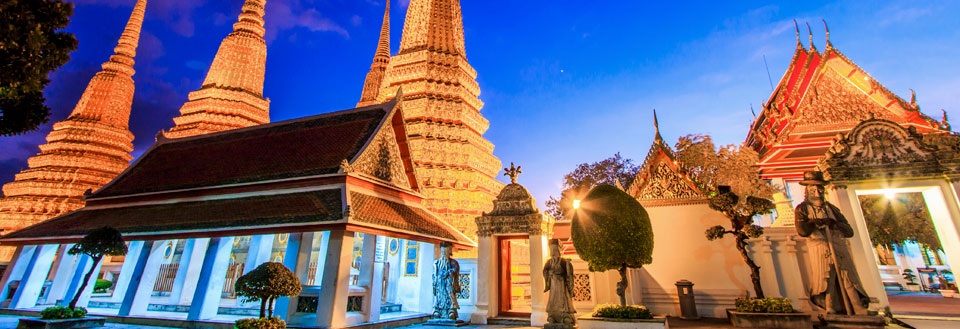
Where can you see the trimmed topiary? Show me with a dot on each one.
(62, 312)
(265, 283)
(102, 285)
(764, 305)
(104, 241)
(263, 323)
(622, 311)
(611, 230)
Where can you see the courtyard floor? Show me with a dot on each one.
(920, 303)
(10, 321)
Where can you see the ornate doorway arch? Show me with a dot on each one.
(882, 157)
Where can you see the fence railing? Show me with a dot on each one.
(234, 271)
(164, 282)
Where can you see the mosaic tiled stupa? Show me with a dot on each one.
(454, 163)
(232, 94)
(84, 151)
(371, 86)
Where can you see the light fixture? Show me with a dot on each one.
(576, 204)
(889, 194)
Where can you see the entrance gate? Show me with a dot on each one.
(882, 157)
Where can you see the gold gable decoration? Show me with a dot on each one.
(663, 179)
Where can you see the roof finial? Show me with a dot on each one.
(827, 31)
(945, 123)
(656, 125)
(798, 32)
(513, 172)
(913, 100)
(753, 112)
(810, 32)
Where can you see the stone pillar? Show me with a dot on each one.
(126, 271)
(16, 269)
(322, 255)
(768, 272)
(793, 285)
(371, 277)
(860, 247)
(178, 280)
(64, 268)
(192, 275)
(487, 278)
(297, 258)
(144, 276)
(84, 264)
(35, 273)
(206, 298)
(538, 300)
(948, 227)
(427, 255)
(259, 251)
(331, 312)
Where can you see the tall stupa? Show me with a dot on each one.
(232, 94)
(454, 163)
(84, 151)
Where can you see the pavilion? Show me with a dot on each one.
(302, 191)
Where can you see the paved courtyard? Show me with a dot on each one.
(10, 321)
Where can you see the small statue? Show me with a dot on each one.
(446, 285)
(558, 274)
(834, 284)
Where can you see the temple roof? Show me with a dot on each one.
(662, 179)
(820, 95)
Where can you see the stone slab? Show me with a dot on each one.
(838, 321)
(588, 322)
(447, 323)
(558, 326)
(37, 323)
(769, 320)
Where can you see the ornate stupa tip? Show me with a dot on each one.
(383, 47)
(251, 18)
(513, 172)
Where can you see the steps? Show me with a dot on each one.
(509, 321)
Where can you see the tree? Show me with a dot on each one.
(611, 230)
(104, 241)
(265, 283)
(32, 45)
(904, 217)
(742, 227)
(586, 176)
(730, 165)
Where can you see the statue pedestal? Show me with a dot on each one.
(559, 326)
(447, 323)
(851, 321)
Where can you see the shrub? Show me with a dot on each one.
(265, 323)
(265, 283)
(62, 312)
(764, 305)
(622, 311)
(102, 285)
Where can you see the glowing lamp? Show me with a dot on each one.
(576, 204)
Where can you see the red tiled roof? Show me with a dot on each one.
(377, 211)
(249, 212)
(301, 147)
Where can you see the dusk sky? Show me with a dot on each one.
(564, 82)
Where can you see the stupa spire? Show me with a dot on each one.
(371, 86)
(84, 151)
(436, 25)
(232, 93)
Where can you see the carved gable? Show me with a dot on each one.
(381, 159)
(834, 101)
(663, 180)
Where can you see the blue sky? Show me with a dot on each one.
(564, 81)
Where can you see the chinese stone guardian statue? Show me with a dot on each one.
(834, 284)
(558, 274)
(446, 286)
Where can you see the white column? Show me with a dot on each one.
(768, 272)
(948, 224)
(16, 268)
(538, 301)
(192, 275)
(322, 255)
(331, 312)
(860, 247)
(206, 298)
(297, 258)
(370, 278)
(64, 268)
(185, 257)
(145, 272)
(84, 264)
(34, 275)
(126, 271)
(487, 279)
(427, 255)
(259, 251)
(794, 286)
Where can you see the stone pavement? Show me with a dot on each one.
(919, 303)
(706, 323)
(10, 322)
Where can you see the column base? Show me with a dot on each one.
(479, 316)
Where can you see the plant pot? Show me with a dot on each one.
(589, 322)
(37, 323)
(769, 320)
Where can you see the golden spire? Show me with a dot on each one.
(371, 86)
(84, 151)
(433, 24)
(232, 93)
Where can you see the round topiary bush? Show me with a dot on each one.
(611, 230)
(265, 284)
(102, 285)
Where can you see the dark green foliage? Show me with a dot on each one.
(742, 227)
(63, 312)
(265, 284)
(764, 305)
(622, 311)
(262, 323)
(909, 277)
(611, 230)
(104, 241)
(102, 285)
(586, 176)
(32, 45)
(904, 217)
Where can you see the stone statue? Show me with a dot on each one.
(446, 285)
(558, 274)
(834, 284)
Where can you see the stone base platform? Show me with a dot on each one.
(559, 326)
(37, 323)
(447, 323)
(836, 321)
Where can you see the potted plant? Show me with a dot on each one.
(612, 231)
(767, 313)
(947, 289)
(104, 241)
(265, 284)
(908, 276)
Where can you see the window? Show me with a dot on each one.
(410, 258)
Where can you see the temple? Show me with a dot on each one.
(232, 94)
(454, 163)
(371, 86)
(84, 151)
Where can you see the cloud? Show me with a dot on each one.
(288, 14)
(356, 20)
(897, 14)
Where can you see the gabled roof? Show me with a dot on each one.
(662, 179)
(309, 146)
(826, 91)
